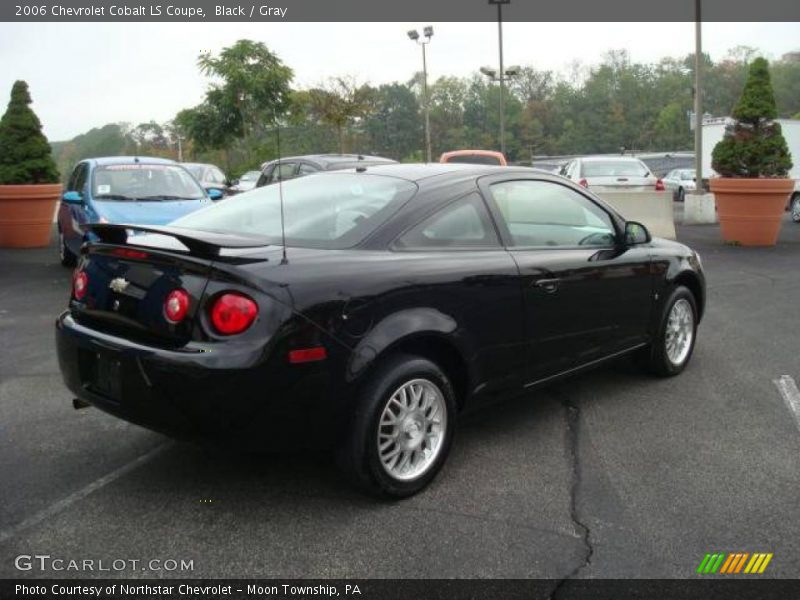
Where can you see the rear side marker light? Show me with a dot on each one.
(660, 186)
(80, 284)
(233, 313)
(584, 183)
(176, 306)
(307, 355)
(128, 253)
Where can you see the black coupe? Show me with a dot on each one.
(392, 299)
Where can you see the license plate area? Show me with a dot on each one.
(101, 374)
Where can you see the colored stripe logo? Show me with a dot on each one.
(734, 563)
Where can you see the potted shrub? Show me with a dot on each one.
(29, 188)
(753, 162)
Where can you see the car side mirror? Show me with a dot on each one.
(214, 194)
(636, 233)
(72, 198)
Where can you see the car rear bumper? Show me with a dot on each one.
(234, 395)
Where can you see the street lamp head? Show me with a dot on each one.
(489, 72)
(428, 31)
(513, 71)
(413, 35)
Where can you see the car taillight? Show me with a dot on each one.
(128, 253)
(176, 306)
(80, 284)
(233, 313)
(584, 183)
(660, 186)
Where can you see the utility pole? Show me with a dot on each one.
(414, 36)
(698, 101)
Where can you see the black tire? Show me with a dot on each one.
(681, 195)
(67, 258)
(655, 358)
(794, 208)
(358, 454)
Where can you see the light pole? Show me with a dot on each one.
(698, 102)
(413, 35)
(499, 4)
(502, 76)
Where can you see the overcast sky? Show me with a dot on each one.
(86, 75)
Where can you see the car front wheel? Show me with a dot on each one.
(402, 428)
(795, 208)
(68, 259)
(674, 341)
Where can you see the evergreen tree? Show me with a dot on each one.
(753, 145)
(25, 155)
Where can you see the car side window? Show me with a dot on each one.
(544, 213)
(464, 223)
(283, 171)
(216, 176)
(306, 169)
(80, 178)
(72, 184)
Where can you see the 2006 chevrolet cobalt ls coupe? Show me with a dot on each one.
(407, 294)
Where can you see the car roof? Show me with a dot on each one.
(131, 160)
(196, 164)
(612, 157)
(421, 171)
(327, 159)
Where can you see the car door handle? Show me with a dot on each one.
(548, 285)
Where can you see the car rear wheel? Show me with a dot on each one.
(402, 428)
(68, 259)
(674, 342)
(795, 208)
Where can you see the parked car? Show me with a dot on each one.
(612, 174)
(474, 157)
(246, 182)
(120, 189)
(299, 166)
(794, 207)
(211, 177)
(403, 296)
(678, 181)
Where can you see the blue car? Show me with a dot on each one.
(121, 189)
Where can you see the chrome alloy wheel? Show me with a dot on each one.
(62, 248)
(412, 429)
(796, 209)
(680, 331)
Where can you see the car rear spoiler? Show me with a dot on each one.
(206, 244)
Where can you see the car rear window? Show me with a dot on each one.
(475, 159)
(614, 168)
(326, 210)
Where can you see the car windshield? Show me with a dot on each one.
(687, 175)
(142, 181)
(614, 168)
(331, 210)
(474, 159)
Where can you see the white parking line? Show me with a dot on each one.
(64, 503)
(791, 396)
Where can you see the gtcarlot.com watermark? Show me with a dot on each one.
(45, 562)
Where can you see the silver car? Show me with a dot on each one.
(679, 181)
(612, 174)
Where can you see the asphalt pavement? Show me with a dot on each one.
(610, 474)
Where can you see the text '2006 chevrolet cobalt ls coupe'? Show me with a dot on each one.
(405, 295)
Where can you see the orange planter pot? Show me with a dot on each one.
(750, 210)
(26, 214)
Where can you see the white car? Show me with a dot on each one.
(612, 174)
(679, 181)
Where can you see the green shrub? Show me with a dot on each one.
(25, 155)
(753, 145)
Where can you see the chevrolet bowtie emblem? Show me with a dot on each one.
(118, 284)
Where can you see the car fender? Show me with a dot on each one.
(396, 328)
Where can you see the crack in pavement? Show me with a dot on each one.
(572, 444)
